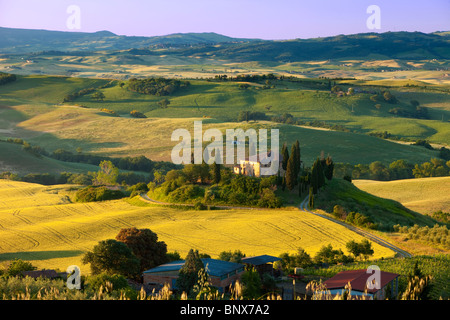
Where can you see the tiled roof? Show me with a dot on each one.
(40, 273)
(258, 260)
(358, 280)
(215, 267)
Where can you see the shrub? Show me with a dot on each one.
(91, 193)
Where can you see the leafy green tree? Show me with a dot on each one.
(107, 174)
(17, 266)
(98, 95)
(235, 256)
(363, 249)
(164, 103)
(252, 284)
(112, 257)
(145, 246)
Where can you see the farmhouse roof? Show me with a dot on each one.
(259, 260)
(215, 268)
(358, 280)
(40, 273)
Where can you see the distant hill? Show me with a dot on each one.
(27, 40)
(411, 45)
(389, 45)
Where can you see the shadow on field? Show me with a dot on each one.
(39, 255)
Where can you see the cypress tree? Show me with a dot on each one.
(320, 175)
(329, 168)
(314, 178)
(290, 172)
(311, 198)
(188, 274)
(285, 154)
(297, 158)
(216, 170)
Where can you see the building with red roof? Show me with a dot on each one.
(371, 283)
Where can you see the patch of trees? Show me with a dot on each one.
(288, 118)
(74, 95)
(109, 111)
(214, 184)
(7, 78)
(137, 114)
(101, 193)
(418, 113)
(129, 254)
(251, 115)
(437, 234)
(354, 218)
(441, 216)
(139, 163)
(327, 255)
(156, 86)
(398, 169)
(97, 95)
(247, 77)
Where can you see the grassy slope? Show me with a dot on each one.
(384, 212)
(41, 225)
(14, 159)
(426, 195)
(34, 116)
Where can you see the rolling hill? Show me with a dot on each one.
(425, 195)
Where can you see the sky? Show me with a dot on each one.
(263, 19)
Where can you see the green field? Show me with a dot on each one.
(30, 110)
(426, 195)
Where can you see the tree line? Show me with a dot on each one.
(396, 170)
(7, 78)
(156, 86)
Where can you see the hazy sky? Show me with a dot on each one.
(276, 19)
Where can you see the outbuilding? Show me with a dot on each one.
(222, 273)
(364, 282)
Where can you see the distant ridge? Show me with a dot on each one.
(14, 40)
(388, 45)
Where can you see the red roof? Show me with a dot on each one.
(358, 280)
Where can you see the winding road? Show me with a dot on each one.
(304, 207)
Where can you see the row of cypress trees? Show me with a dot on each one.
(291, 163)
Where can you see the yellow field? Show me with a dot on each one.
(425, 195)
(38, 223)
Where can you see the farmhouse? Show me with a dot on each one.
(263, 264)
(221, 273)
(253, 168)
(359, 280)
